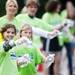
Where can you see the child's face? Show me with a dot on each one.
(26, 33)
(9, 34)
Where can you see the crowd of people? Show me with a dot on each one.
(27, 41)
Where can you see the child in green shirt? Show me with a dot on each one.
(28, 56)
(7, 66)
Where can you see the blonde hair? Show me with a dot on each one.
(26, 26)
(9, 1)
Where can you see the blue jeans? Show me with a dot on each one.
(69, 56)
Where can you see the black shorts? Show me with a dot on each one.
(53, 44)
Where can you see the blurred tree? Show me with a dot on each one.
(41, 9)
(20, 4)
(2, 7)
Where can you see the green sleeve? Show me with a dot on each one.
(38, 58)
(64, 14)
(36, 22)
(21, 18)
(45, 25)
(2, 53)
(46, 18)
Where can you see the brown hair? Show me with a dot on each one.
(7, 26)
(51, 6)
(32, 2)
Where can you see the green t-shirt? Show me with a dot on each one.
(34, 56)
(4, 20)
(7, 65)
(53, 19)
(24, 18)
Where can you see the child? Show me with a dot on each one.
(7, 66)
(28, 57)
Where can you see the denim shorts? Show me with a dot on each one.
(72, 44)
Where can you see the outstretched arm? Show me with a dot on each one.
(44, 33)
